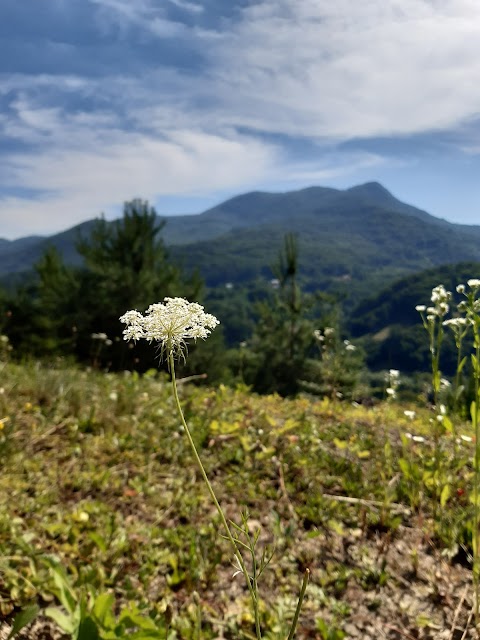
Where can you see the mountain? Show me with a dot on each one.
(352, 241)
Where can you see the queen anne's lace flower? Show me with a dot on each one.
(170, 323)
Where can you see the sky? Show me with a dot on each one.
(185, 103)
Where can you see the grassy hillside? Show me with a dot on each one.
(99, 488)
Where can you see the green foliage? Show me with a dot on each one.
(97, 473)
(283, 335)
(391, 327)
(66, 309)
(23, 618)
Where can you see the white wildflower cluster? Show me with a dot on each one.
(102, 337)
(392, 378)
(439, 308)
(170, 323)
(468, 310)
(442, 413)
(327, 339)
(445, 384)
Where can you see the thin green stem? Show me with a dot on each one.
(476, 428)
(306, 578)
(252, 588)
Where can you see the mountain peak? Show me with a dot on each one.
(372, 189)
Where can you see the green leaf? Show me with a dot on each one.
(88, 630)
(459, 391)
(102, 609)
(445, 495)
(153, 634)
(473, 411)
(404, 467)
(66, 594)
(363, 454)
(462, 364)
(64, 621)
(132, 618)
(447, 423)
(98, 540)
(23, 618)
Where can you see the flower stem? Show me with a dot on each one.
(306, 577)
(238, 555)
(476, 480)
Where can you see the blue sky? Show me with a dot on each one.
(188, 102)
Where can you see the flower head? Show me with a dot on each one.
(170, 323)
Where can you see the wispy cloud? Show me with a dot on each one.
(158, 98)
(194, 7)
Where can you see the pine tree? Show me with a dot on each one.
(283, 336)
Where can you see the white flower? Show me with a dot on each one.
(409, 414)
(420, 307)
(460, 288)
(455, 322)
(394, 373)
(350, 347)
(466, 438)
(473, 283)
(390, 392)
(328, 331)
(440, 294)
(170, 323)
(418, 439)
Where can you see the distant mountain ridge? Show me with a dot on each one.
(362, 237)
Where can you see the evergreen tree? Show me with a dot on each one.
(69, 310)
(127, 267)
(283, 336)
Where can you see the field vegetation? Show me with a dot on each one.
(182, 490)
(103, 508)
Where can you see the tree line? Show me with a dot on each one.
(72, 312)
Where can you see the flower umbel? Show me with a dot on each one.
(170, 323)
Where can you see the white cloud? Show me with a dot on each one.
(315, 69)
(114, 166)
(193, 7)
(349, 68)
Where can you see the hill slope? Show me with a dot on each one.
(355, 240)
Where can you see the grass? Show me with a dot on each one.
(97, 478)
